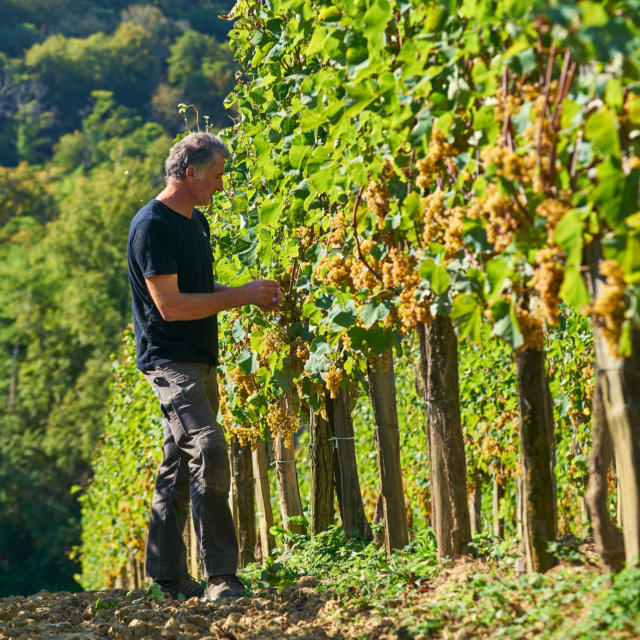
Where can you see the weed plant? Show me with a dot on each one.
(483, 597)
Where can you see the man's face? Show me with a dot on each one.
(207, 180)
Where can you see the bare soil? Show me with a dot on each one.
(295, 612)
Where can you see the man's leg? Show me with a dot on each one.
(184, 390)
(166, 552)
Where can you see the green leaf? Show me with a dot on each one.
(568, 235)
(573, 290)
(375, 21)
(373, 312)
(412, 207)
(343, 316)
(237, 331)
(318, 362)
(613, 93)
(440, 279)
(247, 362)
(467, 315)
(296, 155)
(265, 246)
(270, 211)
(359, 97)
(497, 272)
(505, 324)
(602, 130)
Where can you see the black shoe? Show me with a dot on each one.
(224, 587)
(188, 587)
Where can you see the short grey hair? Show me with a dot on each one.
(195, 149)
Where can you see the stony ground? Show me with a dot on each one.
(295, 612)
(305, 610)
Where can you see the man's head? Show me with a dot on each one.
(197, 150)
(196, 164)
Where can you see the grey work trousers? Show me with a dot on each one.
(195, 466)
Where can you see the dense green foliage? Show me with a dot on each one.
(396, 162)
(54, 55)
(116, 503)
(115, 509)
(483, 597)
(89, 96)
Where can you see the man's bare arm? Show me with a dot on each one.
(174, 305)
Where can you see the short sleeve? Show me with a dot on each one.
(154, 249)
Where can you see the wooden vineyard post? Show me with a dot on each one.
(263, 500)
(620, 382)
(193, 558)
(244, 509)
(347, 481)
(538, 494)
(608, 537)
(191, 545)
(447, 464)
(475, 506)
(498, 522)
(519, 508)
(382, 388)
(378, 518)
(288, 490)
(321, 455)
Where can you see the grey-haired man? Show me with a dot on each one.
(175, 302)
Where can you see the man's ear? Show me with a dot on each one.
(190, 172)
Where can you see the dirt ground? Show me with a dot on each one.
(295, 612)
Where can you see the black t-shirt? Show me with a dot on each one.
(161, 242)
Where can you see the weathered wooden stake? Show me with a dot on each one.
(382, 387)
(475, 506)
(519, 508)
(288, 489)
(447, 465)
(321, 455)
(194, 558)
(538, 495)
(347, 482)
(498, 522)
(378, 518)
(263, 500)
(620, 385)
(244, 509)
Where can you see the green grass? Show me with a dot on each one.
(483, 596)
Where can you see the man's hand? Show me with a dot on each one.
(265, 294)
(274, 304)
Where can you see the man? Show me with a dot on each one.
(175, 302)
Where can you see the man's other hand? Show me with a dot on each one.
(265, 294)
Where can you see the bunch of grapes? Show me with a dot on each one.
(494, 442)
(245, 384)
(245, 432)
(530, 327)
(299, 352)
(502, 219)
(609, 309)
(272, 342)
(336, 234)
(552, 210)
(332, 379)
(508, 105)
(361, 275)
(334, 270)
(547, 279)
(440, 156)
(377, 198)
(305, 237)
(282, 423)
(411, 310)
(508, 164)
